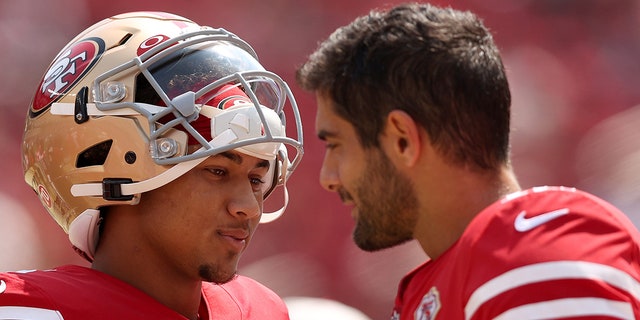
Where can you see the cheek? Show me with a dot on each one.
(175, 209)
(197, 208)
(351, 168)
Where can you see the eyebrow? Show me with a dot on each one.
(324, 134)
(236, 158)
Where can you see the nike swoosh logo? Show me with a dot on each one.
(3, 286)
(523, 224)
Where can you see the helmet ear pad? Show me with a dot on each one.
(84, 233)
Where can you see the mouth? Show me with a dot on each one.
(236, 239)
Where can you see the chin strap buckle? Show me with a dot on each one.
(112, 189)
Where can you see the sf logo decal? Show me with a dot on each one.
(69, 67)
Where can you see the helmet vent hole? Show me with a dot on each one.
(95, 155)
(123, 40)
(130, 157)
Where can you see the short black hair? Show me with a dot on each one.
(439, 65)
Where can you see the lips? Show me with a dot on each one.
(236, 234)
(234, 239)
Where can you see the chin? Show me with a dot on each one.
(220, 282)
(215, 274)
(371, 240)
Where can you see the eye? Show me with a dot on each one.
(330, 146)
(217, 172)
(257, 182)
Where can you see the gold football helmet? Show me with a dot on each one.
(137, 100)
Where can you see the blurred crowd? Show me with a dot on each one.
(575, 79)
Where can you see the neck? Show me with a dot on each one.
(122, 257)
(454, 197)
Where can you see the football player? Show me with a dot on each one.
(414, 109)
(153, 142)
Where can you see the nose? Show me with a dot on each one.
(244, 202)
(329, 178)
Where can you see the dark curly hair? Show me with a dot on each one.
(439, 65)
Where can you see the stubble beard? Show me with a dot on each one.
(387, 208)
(216, 274)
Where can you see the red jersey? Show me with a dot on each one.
(75, 292)
(544, 253)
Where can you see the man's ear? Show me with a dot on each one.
(401, 138)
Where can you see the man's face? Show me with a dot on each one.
(385, 206)
(199, 224)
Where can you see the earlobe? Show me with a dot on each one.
(403, 137)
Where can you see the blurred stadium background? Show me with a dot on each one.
(575, 80)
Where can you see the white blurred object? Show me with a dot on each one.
(311, 278)
(19, 241)
(310, 308)
(608, 161)
(387, 266)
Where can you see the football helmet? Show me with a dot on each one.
(137, 100)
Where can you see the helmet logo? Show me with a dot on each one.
(150, 43)
(44, 196)
(232, 101)
(68, 68)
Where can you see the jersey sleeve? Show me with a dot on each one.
(21, 300)
(554, 255)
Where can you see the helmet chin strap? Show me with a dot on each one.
(271, 216)
(84, 229)
(234, 126)
(95, 189)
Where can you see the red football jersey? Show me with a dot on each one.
(75, 292)
(543, 253)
